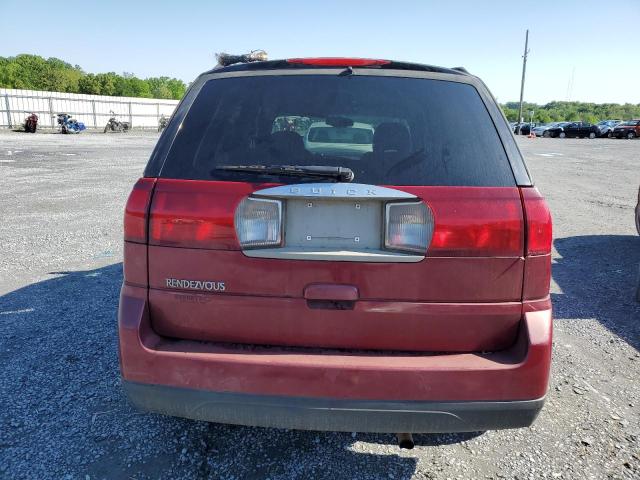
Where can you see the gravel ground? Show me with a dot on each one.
(63, 414)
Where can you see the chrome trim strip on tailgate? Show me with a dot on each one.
(379, 256)
(351, 191)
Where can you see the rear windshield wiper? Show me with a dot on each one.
(340, 174)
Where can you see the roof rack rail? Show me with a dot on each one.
(257, 61)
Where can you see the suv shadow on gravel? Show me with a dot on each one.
(69, 415)
(598, 275)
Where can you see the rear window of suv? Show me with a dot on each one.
(408, 131)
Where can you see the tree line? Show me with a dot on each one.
(572, 111)
(32, 72)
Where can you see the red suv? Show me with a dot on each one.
(394, 280)
(629, 129)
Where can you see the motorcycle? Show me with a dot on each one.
(115, 125)
(31, 123)
(67, 124)
(162, 122)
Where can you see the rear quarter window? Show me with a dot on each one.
(388, 130)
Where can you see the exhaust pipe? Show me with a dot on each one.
(405, 440)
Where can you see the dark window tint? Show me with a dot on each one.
(388, 130)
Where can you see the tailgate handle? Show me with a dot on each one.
(329, 291)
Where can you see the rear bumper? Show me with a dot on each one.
(331, 414)
(334, 390)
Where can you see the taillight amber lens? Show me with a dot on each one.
(259, 223)
(409, 227)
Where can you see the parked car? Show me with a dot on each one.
(638, 230)
(574, 130)
(329, 138)
(525, 128)
(606, 127)
(542, 130)
(630, 129)
(289, 288)
(638, 213)
(555, 130)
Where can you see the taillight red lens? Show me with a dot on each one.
(537, 275)
(339, 62)
(539, 227)
(195, 214)
(135, 212)
(474, 221)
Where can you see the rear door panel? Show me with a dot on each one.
(435, 279)
(465, 294)
(469, 283)
(370, 325)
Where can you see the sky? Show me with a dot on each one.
(581, 50)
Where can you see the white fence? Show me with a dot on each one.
(93, 110)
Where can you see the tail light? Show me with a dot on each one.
(338, 62)
(135, 233)
(135, 213)
(537, 269)
(259, 223)
(449, 222)
(476, 222)
(409, 227)
(195, 214)
(539, 227)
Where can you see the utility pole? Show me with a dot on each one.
(570, 84)
(524, 69)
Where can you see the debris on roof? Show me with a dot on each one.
(225, 59)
